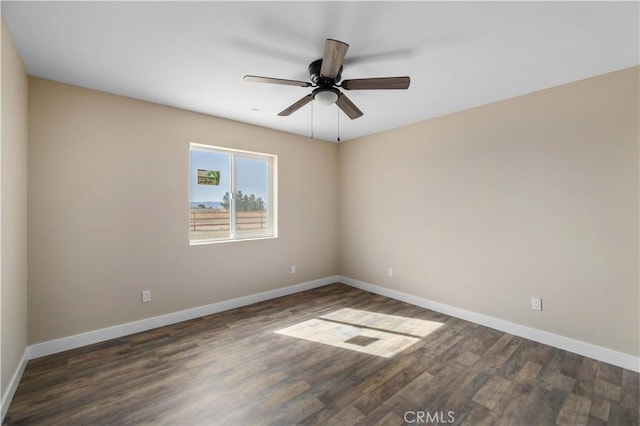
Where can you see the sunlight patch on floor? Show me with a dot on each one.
(392, 323)
(363, 331)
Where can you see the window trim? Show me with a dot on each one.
(272, 172)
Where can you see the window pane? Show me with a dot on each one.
(209, 180)
(252, 197)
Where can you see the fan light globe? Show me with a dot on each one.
(326, 97)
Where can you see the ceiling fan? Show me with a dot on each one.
(325, 74)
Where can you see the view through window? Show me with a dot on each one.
(232, 194)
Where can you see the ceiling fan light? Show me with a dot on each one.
(325, 97)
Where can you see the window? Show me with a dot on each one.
(232, 195)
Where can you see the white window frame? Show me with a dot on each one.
(272, 202)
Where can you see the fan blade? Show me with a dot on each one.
(334, 53)
(269, 80)
(377, 83)
(296, 106)
(348, 107)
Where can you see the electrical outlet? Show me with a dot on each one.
(536, 304)
(390, 272)
(146, 296)
(293, 269)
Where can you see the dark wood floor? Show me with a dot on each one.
(233, 368)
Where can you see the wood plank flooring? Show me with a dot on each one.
(235, 368)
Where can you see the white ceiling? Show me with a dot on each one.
(193, 55)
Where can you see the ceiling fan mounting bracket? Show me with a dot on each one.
(317, 79)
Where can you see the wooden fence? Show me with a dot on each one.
(214, 223)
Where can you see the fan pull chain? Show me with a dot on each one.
(338, 124)
(311, 120)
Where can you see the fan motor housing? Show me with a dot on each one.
(317, 79)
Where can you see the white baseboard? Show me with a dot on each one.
(13, 384)
(599, 353)
(96, 336)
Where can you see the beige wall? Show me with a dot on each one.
(533, 196)
(108, 212)
(13, 202)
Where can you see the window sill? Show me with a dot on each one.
(206, 242)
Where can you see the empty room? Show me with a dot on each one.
(321, 213)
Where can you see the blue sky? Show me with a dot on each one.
(252, 177)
